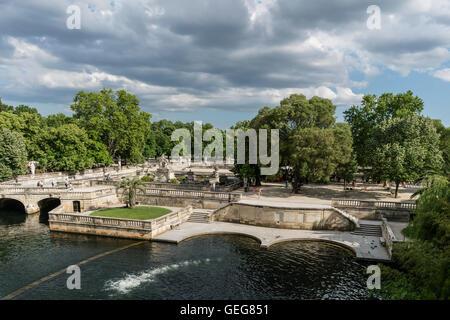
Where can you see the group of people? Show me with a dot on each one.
(40, 184)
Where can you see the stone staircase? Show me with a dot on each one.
(368, 230)
(200, 216)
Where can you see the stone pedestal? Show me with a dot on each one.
(190, 178)
(164, 175)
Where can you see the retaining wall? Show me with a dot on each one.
(285, 218)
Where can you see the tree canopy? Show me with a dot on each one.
(115, 119)
(373, 110)
(13, 154)
(310, 140)
(405, 148)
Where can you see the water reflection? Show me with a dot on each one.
(208, 267)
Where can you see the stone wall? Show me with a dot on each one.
(388, 236)
(89, 200)
(61, 221)
(286, 218)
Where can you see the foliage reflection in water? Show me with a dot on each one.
(209, 267)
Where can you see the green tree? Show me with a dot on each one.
(405, 148)
(13, 154)
(345, 158)
(308, 142)
(129, 190)
(420, 268)
(115, 119)
(373, 110)
(64, 148)
(26, 121)
(59, 119)
(5, 107)
(11, 121)
(444, 145)
(25, 109)
(432, 220)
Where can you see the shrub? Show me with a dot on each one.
(147, 179)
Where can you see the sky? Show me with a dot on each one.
(220, 61)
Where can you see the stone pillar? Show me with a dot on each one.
(31, 208)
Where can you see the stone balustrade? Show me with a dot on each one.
(190, 194)
(366, 209)
(378, 204)
(388, 236)
(115, 227)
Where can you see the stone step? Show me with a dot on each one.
(200, 216)
(368, 230)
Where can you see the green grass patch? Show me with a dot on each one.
(138, 213)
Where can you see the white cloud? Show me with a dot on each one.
(443, 74)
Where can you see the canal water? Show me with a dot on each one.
(210, 267)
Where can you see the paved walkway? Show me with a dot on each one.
(364, 247)
(397, 228)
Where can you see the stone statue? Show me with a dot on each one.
(32, 168)
(163, 161)
(164, 173)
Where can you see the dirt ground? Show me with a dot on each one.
(323, 193)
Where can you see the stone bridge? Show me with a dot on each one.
(34, 199)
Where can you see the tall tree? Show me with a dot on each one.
(115, 119)
(306, 133)
(64, 148)
(13, 154)
(405, 148)
(346, 165)
(363, 119)
(444, 145)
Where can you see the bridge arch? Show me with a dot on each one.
(46, 205)
(337, 243)
(215, 233)
(12, 204)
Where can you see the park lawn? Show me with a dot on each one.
(138, 213)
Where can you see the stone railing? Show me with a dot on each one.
(93, 221)
(32, 190)
(174, 186)
(192, 194)
(396, 205)
(376, 204)
(170, 220)
(61, 192)
(388, 236)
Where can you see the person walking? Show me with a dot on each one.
(259, 192)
